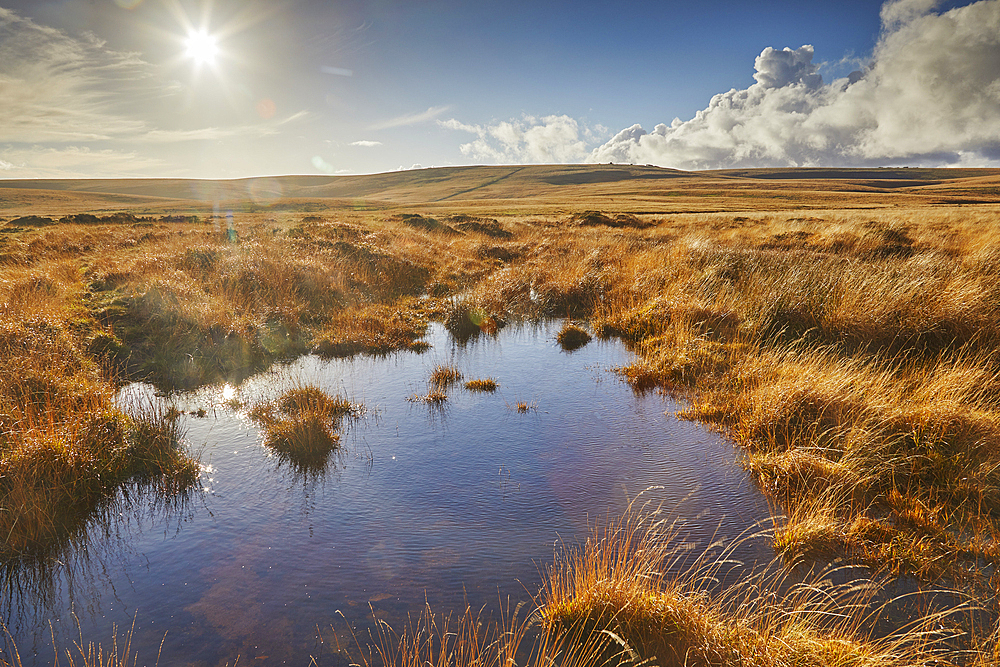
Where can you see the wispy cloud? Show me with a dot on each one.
(295, 117)
(204, 134)
(411, 119)
(930, 94)
(365, 143)
(58, 88)
(75, 162)
(336, 71)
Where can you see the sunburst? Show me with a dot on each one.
(201, 47)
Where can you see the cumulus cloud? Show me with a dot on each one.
(930, 94)
(547, 140)
(366, 143)
(56, 87)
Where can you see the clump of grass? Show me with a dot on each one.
(66, 448)
(618, 584)
(301, 426)
(57, 477)
(444, 376)
(466, 321)
(482, 385)
(374, 330)
(432, 397)
(572, 336)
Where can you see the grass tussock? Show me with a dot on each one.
(441, 379)
(443, 376)
(301, 426)
(374, 330)
(66, 448)
(618, 585)
(572, 336)
(488, 385)
(434, 398)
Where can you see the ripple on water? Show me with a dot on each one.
(465, 501)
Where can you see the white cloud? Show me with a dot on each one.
(410, 119)
(897, 12)
(929, 95)
(551, 139)
(54, 87)
(365, 143)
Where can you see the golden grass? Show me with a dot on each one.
(619, 584)
(441, 379)
(572, 336)
(65, 447)
(434, 397)
(374, 330)
(482, 385)
(443, 376)
(853, 359)
(853, 355)
(301, 426)
(634, 594)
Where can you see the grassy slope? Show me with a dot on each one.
(531, 188)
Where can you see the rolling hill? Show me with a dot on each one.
(538, 188)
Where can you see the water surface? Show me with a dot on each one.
(465, 502)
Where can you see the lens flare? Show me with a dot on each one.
(266, 108)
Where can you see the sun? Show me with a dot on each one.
(201, 47)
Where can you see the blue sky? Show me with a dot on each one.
(106, 88)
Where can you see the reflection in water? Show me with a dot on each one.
(454, 504)
(78, 576)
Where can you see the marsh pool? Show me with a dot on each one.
(459, 503)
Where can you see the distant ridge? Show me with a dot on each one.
(641, 188)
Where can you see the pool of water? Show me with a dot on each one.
(460, 503)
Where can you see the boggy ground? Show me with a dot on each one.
(852, 354)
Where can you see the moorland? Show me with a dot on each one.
(841, 326)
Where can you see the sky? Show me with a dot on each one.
(121, 88)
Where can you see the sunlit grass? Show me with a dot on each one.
(444, 376)
(635, 593)
(301, 425)
(853, 356)
(488, 385)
